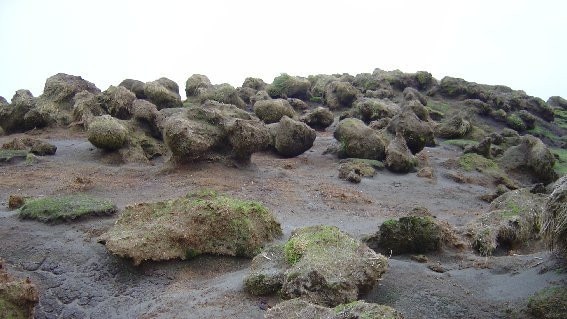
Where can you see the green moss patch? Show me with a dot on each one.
(561, 164)
(462, 143)
(9, 155)
(471, 161)
(549, 303)
(65, 208)
(200, 223)
(560, 118)
(411, 234)
(438, 106)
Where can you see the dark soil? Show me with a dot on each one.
(78, 278)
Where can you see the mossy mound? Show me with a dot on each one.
(399, 159)
(7, 156)
(340, 94)
(196, 84)
(531, 157)
(319, 118)
(201, 223)
(513, 222)
(135, 86)
(117, 101)
(555, 216)
(370, 109)
(416, 132)
(359, 141)
(223, 93)
(271, 111)
(292, 138)
(410, 234)
(35, 146)
(549, 303)
(17, 298)
(286, 86)
(454, 127)
(162, 95)
(107, 133)
(359, 167)
(301, 309)
(65, 208)
(318, 263)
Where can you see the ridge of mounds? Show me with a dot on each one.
(18, 298)
(204, 222)
(320, 264)
(63, 208)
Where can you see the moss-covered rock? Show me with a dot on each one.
(416, 132)
(557, 101)
(513, 222)
(65, 208)
(359, 141)
(482, 148)
(61, 88)
(411, 94)
(7, 156)
(555, 216)
(12, 115)
(286, 86)
(549, 303)
(370, 109)
(515, 122)
(259, 96)
(358, 167)
(454, 127)
(190, 139)
(411, 234)
(256, 84)
(223, 93)
(318, 118)
(319, 84)
(35, 146)
(87, 106)
(298, 104)
(182, 228)
(18, 298)
(301, 309)
(292, 138)
(162, 96)
(148, 117)
(271, 111)
(135, 86)
(117, 101)
(107, 133)
(320, 264)
(247, 137)
(530, 157)
(339, 94)
(399, 159)
(197, 84)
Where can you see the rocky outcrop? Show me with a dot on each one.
(359, 141)
(301, 309)
(61, 88)
(197, 84)
(291, 137)
(254, 83)
(117, 101)
(162, 93)
(320, 264)
(399, 159)
(557, 101)
(318, 118)
(271, 111)
(12, 116)
(370, 109)
(182, 228)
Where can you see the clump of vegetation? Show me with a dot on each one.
(462, 143)
(9, 155)
(17, 298)
(411, 234)
(309, 241)
(472, 161)
(555, 217)
(561, 164)
(361, 167)
(301, 309)
(65, 208)
(515, 122)
(549, 303)
(200, 223)
(287, 86)
(107, 133)
(438, 106)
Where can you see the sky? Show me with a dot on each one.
(517, 43)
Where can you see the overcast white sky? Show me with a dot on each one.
(521, 44)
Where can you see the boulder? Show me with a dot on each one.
(418, 109)
(399, 80)
(135, 86)
(410, 234)
(399, 159)
(61, 88)
(416, 132)
(86, 107)
(259, 96)
(32, 145)
(246, 93)
(454, 127)
(319, 84)
(531, 157)
(12, 115)
(479, 106)
(190, 139)
(515, 122)
(321, 264)
(297, 104)
(107, 133)
(370, 109)
(528, 118)
(223, 93)
(197, 84)
(148, 117)
(554, 218)
(340, 94)
(286, 86)
(201, 223)
(292, 138)
(254, 83)
(18, 298)
(319, 118)
(359, 141)
(379, 124)
(117, 101)
(482, 148)
(247, 137)
(161, 95)
(271, 111)
(513, 222)
(411, 94)
(557, 101)
(169, 84)
(301, 309)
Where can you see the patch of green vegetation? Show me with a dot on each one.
(515, 122)
(561, 163)
(560, 118)
(411, 234)
(512, 210)
(540, 131)
(472, 161)
(549, 303)
(323, 238)
(460, 143)
(8, 155)
(316, 99)
(280, 85)
(66, 207)
(438, 106)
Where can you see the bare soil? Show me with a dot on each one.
(78, 278)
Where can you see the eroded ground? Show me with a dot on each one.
(78, 278)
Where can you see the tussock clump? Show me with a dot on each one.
(17, 298)
(65, 208)
(107, 133)
(301, 309)
(555, 216)
(182, 228)
(549, 303)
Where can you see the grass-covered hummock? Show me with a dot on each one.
(301, 309)
(8, 155)
(65, 208)
(549, 303)
(201, 223)
(17, 297)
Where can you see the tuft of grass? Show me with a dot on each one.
(462, 143)
(561, 163)
(313, 241)
(472, 161)
(438, 106)
(549, 303)
(65, 208)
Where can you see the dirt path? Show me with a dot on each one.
(78, 278)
